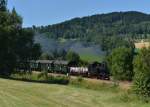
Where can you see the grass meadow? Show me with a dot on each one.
(27, 94)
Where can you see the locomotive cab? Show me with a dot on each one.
(98, 70)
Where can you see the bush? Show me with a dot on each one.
(73, 57)
(120, 63)
(142, 74)
(58, 79)
(42, 77)
(79, 78)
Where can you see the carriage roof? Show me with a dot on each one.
(58, 62)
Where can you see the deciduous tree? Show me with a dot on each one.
(142, 73)
(120, 62)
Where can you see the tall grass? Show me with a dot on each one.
(124, 96)
(80, 82)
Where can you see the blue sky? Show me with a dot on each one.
(45, 12)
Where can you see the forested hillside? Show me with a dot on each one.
(109, 30)
(116, 23)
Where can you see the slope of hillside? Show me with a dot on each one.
(24, 94)
(130, 23)
(105, 30)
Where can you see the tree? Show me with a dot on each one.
(16, 43)
(72, 57)
(120, 63)
(9, 32)
(55, 54)
(3, 4)
(35, 51)
(26, 49)
(142, 73)
(45, 56)
(62, 54)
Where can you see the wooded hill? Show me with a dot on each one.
(108, 30)
(116, 23)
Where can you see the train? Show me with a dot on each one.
(97, 70)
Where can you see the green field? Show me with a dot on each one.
(25, 94)
(90, 57)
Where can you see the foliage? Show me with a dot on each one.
(142, 73)
(72, 57)
(9, 22)
(59, 54)
(43, 74)
(3, 4)
(44, 56)
(80, 78)
(35, 51)
(16, 43)
(110, 43)
(58, 80)
(118, 23)
(120, 62)
(43, 77)
(26, 49)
